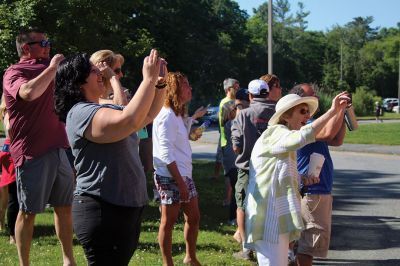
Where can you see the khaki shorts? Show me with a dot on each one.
(316, 211)
(241, 187)
(46, 179)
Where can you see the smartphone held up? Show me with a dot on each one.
(163, 67)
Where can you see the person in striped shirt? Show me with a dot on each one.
(272, 202)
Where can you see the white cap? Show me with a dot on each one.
(258, 87)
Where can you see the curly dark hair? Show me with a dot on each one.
(71, 75)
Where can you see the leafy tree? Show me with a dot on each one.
(210, 40)
(379, 67)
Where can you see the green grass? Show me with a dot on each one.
(215, 244)
(375, 133)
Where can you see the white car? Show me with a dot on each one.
(388, 103)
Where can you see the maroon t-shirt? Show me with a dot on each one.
(34, 127)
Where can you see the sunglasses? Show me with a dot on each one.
(117, 70)
(304, 111)
(42, 43)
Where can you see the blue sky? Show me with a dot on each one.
(326, 13)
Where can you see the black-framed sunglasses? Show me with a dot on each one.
(42, 43)
(117, 70)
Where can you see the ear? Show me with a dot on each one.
(25, 48)
(286, 116)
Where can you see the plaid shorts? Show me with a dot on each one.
(168, 189)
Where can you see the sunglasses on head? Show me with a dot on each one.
(42, 43)
(117, 70)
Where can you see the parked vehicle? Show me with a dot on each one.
(212, 114)
(389, 103)
(393, 104)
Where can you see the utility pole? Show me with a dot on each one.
(341, 61)
(398, 84)
(270, 37)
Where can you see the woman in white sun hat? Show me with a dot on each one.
(273, 201)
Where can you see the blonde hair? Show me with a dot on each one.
(173, 91)
(120, 58)
(110, 58)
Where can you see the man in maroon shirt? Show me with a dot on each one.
(38, 140)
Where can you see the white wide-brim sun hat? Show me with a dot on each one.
(292, 100)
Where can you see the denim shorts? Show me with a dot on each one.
(168, 189)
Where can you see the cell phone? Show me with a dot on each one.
(350, 101)
(162, 68)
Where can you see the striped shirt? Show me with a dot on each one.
(273, 201)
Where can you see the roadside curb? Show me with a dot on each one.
(368, 148)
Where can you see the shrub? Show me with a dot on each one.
(325, 102)
(325, 99)
(363, 101)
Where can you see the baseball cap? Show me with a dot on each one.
(258, 87)
(242, 94)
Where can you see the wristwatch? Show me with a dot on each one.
(161, 85)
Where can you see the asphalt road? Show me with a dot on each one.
(366, 208)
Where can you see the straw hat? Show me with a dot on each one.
(289, 101)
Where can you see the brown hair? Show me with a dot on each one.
(24, 36)
(172, 99)
(271, 79)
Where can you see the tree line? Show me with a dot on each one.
(210, 40)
